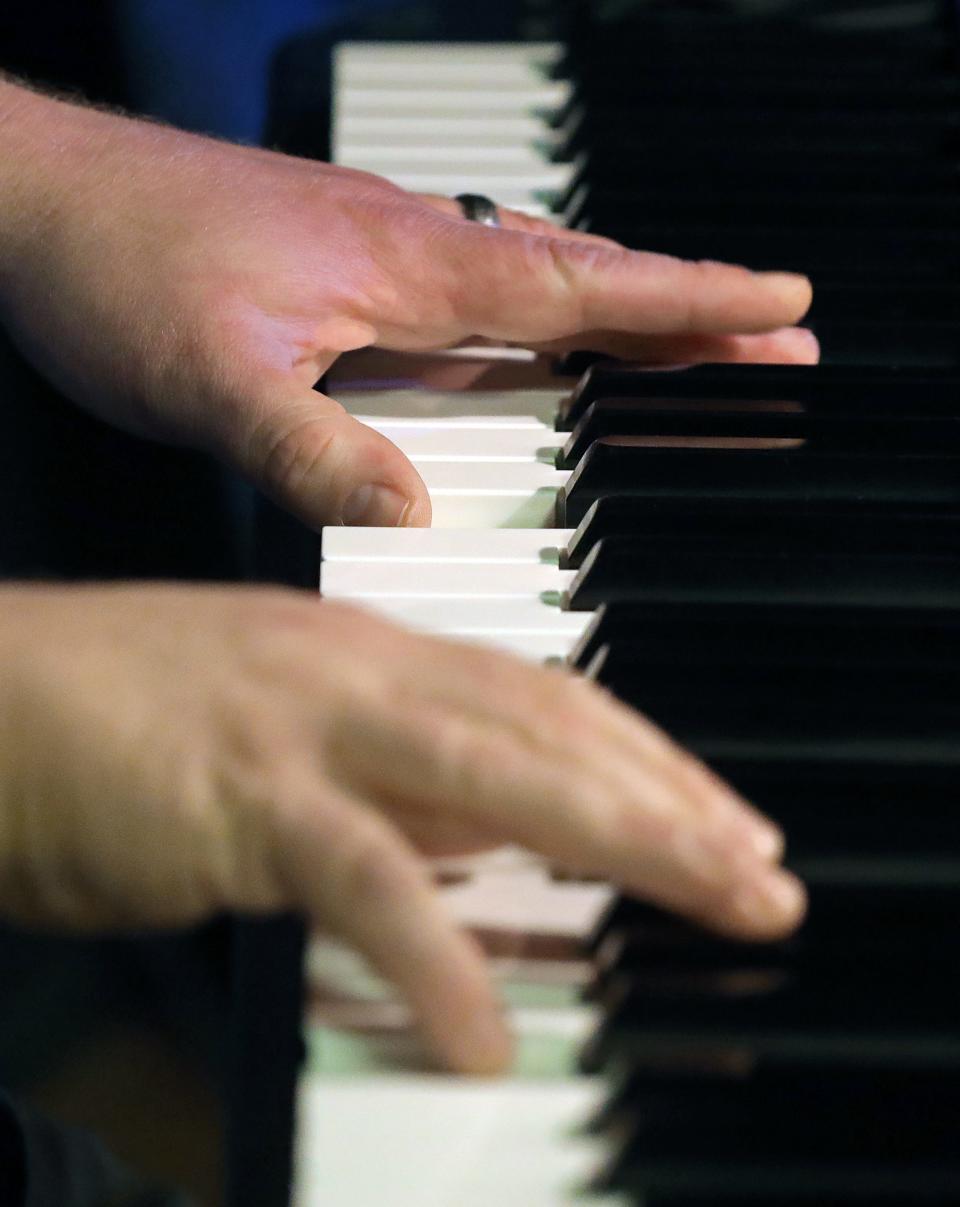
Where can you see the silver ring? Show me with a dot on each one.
(478, 208)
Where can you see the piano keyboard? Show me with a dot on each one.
(764, 558)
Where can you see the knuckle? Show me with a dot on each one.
(372, 870)
(290, 453)
(465, 752)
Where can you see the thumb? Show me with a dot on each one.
(326, 467)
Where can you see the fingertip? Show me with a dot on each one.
(808, 346)
(791, 290)
(484, 1048)
(768, 904)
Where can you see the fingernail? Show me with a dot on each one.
(771, 896)
(791, 286)
(809, 343)
(766, 841)
(374, 507)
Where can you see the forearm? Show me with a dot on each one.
(54, 154)
(36, 137)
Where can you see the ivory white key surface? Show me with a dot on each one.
(415, 103)
(448, 71)
(482, 443)
(493, 407)
(506, 545)
(499, 477)
(411, 1141)
(370, 581)
(361, 130)
(390, 158)
(468, 494)
(425, 54)
(477, 619)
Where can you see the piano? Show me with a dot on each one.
(763, 558)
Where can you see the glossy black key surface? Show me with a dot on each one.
(624, 624)
(625, 515)
(610, 468)
(848, 559)
(872, 390)
(665, 983)
(791, 612)
(821, 427)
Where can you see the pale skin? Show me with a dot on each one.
(167, 753)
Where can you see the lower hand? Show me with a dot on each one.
(168, 753)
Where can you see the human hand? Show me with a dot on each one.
(195, 291)
(167, 753)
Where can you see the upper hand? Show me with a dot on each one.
(195, 290)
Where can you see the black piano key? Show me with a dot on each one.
(773, 474)
(845, 558)
(777, 637)
(616, 624)
(873, 390)
(668, 984)
(821, 712)
(823, 427)
(853, 342)
(871, 581)
(886, 1118)
(625, 515)
(769, 170)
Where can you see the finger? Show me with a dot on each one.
(789, 346)
(529, 289)
(539, 759)
(353, 873)
(325, 466)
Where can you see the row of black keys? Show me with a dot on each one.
(789, 612)
(793, 615)
(782, 147)
(799, 628)
(823, 1069)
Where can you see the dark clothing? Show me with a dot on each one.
(43, 1163)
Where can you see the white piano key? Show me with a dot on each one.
(467, 130)
(477, 619)
(426, 54)
(478, 444)
(448, 72)
(492, 509)
(442, 580)
(474, 408)
(512, 478)
(501, 546)
(441, 157)
(518, 90)
(493, 407)
(420, 1141)
(416, 103)
(534, 647)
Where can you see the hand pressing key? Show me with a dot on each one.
(195, 291)
(168, 753)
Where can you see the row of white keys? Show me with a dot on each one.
(466, 118)
(488, 459)
(501, 587)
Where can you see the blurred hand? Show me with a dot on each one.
(168, 753)
(195, 291)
